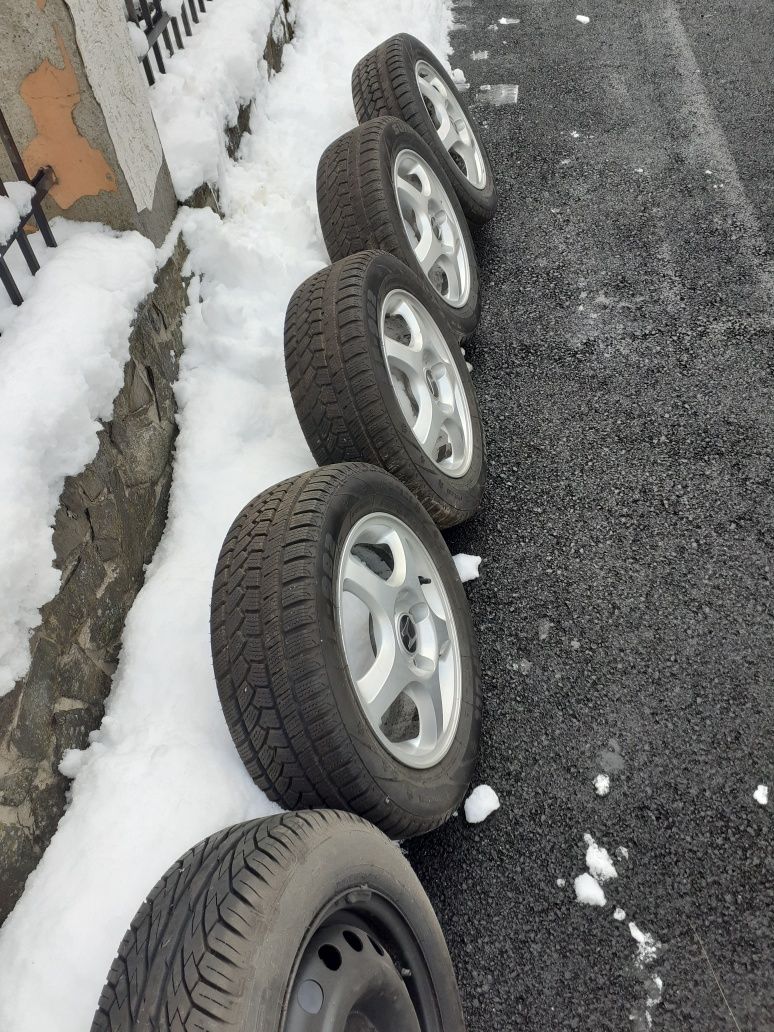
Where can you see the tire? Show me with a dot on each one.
(385, 82)
(347, 401)
(288, 663)
(249, 924)
(359, 211)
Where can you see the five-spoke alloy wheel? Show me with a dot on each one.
(376, 375)
(403, 78)
(344, 652)
(380, 187)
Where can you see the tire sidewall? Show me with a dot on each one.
(479, 204)
(398, 136)
(382, 275)
(428, 793)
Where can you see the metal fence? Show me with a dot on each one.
(41, 183)
(158, 25)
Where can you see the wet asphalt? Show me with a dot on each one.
(625, 368)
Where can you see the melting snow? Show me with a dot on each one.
(761, 794)
(598, 861)
(602, 784)
(589, 891)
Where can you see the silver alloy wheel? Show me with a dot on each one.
(432, 228)
(454, 130)
(426, 383)
(400, 640)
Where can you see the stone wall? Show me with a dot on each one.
(110, 520)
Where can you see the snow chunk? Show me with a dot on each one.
(479, 55)
(62, 362)
(12, 207)
(458, 75)
(582, 18)
(561, 882)
(598, 861)
(602, 784)
(647, 946)
(761, 794)
(467, 566)
(622, 853)
(619, 914)
(480, 803)
(589, 891)
(139, 39)
(508, 21)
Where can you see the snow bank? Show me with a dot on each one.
(467, 566)
(482, 801)
(161, 772)
(62, 355)
(12, 207)
(220, 69)
(589, 891)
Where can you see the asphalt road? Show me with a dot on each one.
(624, 365)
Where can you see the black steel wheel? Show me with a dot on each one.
(302, 922)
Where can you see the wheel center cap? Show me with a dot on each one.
(408, 633)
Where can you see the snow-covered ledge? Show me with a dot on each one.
(108, 523)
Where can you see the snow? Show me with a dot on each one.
(582, 18)
(62, 355)
(467, 566)
(12, 207)
(479, 55)
(161, 772)
(602, 784)
(138, 38)
(647, 946)
(619, 914)
(761, 794)
(589, 891)
(480, 803)
(220, 69)
(508, 21)
(598, 861)
(561, 882)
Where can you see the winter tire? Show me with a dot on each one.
(343, 650)
(401, 77)
(375, 375)
(379, 187)
(301, 922)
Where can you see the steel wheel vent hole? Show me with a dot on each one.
(376, 946)
(330, 956)
(353, 940)
(400, 723)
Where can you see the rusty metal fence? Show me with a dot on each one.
(31, 212)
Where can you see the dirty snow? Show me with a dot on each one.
(12, 207)
(761, 794)
(598, 861)
(480, 803)
(62, 356)
(161, 773)
(467, 566)
(602, 784)
(589, 891)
